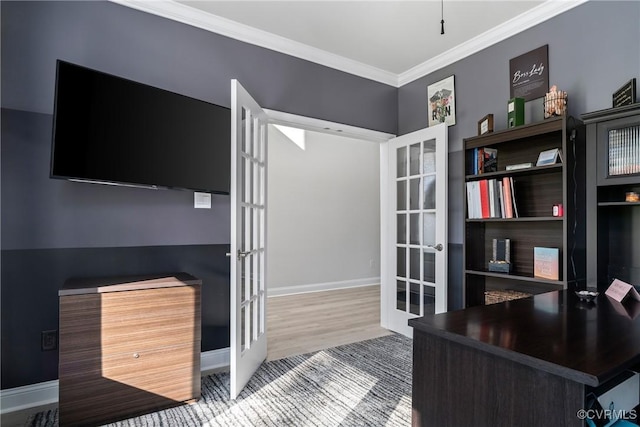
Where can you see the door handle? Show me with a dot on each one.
(437, 247)
(241, 254)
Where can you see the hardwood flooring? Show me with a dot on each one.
(304, 323)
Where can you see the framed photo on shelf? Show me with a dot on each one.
(441, 101)
(485, 125)
(549, 157)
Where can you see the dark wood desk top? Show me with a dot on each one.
(555, 332)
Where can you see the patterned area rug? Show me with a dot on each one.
(361, 384)
(495, 296)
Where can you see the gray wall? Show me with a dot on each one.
(53, 230)
(593, 50)
(49, 230)
(324, 211)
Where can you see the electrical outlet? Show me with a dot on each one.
(49, 340)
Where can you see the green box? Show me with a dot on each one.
(515, 112)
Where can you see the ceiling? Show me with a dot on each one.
(393, 42)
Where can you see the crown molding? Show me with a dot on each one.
(531, 18)
(187, 15)
(190, 16)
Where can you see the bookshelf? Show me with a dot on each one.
(536, 190)
(613, 153)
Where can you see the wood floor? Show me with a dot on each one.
(301, 323)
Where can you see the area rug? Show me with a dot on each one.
(362, 384)
(496, 296)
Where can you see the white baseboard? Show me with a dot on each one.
(215, 359)
(28, 396)
(40, 394)
(317, 287)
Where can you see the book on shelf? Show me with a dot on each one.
(517, 166)
(490, 162)
(546, 263)
(477, 159)
(493, 183)
(474, 207)
(484, 198)
(484, 160)
(501, 195)
(513, 198)
(508, 204)
(491, 198)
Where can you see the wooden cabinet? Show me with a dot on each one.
(613, 156)
(536, 190)
(128, 346)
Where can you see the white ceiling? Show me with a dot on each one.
(393, 42)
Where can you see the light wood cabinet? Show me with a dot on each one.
(128, 346)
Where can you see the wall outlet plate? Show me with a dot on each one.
(49, 340)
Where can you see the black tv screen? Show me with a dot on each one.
(114, 130)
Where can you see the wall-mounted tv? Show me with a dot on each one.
(113, 130)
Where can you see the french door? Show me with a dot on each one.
(248, 340)
(414, 227)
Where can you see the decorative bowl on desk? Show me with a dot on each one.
(588, 296)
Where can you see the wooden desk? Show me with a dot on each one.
(528, 361)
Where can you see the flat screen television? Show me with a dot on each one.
(112, 130)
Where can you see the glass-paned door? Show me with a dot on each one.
(415, 227)
(248, 340)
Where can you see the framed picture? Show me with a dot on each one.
(530, 74)
(626, 95)
(441, 99)
(485, 125)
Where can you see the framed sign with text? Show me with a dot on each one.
(626, 95)
(530, 74)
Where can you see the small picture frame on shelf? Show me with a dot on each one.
(626, 95)
(485, 125)
(549, 157)
(546, 263)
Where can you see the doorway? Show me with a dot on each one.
(323, 228)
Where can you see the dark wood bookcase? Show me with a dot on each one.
(537, 190)
(613, 241)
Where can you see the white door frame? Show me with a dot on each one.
(323, 126)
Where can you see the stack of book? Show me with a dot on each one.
(491, 198)
(485, 160)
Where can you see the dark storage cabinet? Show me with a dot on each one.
(613, 156)
(536, 189)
